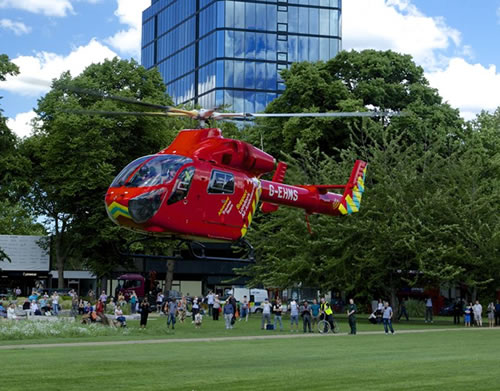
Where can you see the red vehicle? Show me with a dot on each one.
(127, 283)
(207, 187)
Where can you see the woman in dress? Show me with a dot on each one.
(145, 309)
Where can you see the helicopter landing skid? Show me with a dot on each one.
(197, 250)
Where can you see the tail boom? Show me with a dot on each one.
(317, 198)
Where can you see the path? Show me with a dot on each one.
(223, 339)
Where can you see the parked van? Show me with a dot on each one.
(255, 297)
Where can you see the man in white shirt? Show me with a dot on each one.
(387, 318)
(266, 314)
(478, 312)
(210, 302)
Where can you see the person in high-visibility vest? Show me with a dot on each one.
(326, 312)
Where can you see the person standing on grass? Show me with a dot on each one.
(305, 312)
(278, 311)
(195, 307)
(159, 301)
(428, 310)
(244, 309)
(380, 310)
(467, 315)
(228, 314)
(55, 303)
(457, 311)
(235, 308)
(103, 298)
(497, 313)
(266, 314)
(387, 318)
(326, 312)
(478, 313)
(171, 313)
(351, 315)
(216, 309)
(145, 309)
(404, 311)
(133, 302)
(210, 302)
(315, 314)
(294, 316)
(491, 314)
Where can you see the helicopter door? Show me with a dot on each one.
(221, 194)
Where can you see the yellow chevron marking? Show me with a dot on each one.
(342, 209)
(116, 209)
(351, 203)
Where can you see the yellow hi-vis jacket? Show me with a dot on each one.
(325, 307)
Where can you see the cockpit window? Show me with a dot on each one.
(153, 170)
(182, 185)
(127, 171)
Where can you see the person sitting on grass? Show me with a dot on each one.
(119, 316)
(35, 309)
(11, 312)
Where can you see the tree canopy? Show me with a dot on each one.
(430, 211)
(75, 156)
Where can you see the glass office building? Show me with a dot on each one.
(226, 52)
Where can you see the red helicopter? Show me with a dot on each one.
(204, 187)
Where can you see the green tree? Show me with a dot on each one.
(75, 156)
(406, 232)
(351, 81)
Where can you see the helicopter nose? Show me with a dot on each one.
(144, 207)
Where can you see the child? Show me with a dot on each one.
(197, 320)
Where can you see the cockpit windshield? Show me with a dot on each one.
(154, 170)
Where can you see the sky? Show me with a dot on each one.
(453, 40)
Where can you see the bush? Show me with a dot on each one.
(26, 329)
(415, 308)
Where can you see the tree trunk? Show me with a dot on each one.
(60, 260)
(169, 277)
(394, 304)
(474, 294)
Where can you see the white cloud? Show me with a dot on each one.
(58, 8)
(21, 124)
(37, 72)
(17, 28)
(128, 41)
(396, 25)
(399, 25)
(470, 87)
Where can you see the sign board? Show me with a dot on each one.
(24, 252)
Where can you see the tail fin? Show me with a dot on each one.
(354, 190)
(278, 177)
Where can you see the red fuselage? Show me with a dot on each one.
(205, 187)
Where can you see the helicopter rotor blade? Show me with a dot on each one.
(99, 94)
(252, 116)
(129, 113)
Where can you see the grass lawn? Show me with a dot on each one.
(446, 360)
(156, 329)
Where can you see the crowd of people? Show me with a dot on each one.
(307, 313)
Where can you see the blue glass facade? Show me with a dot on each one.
(230, 52)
